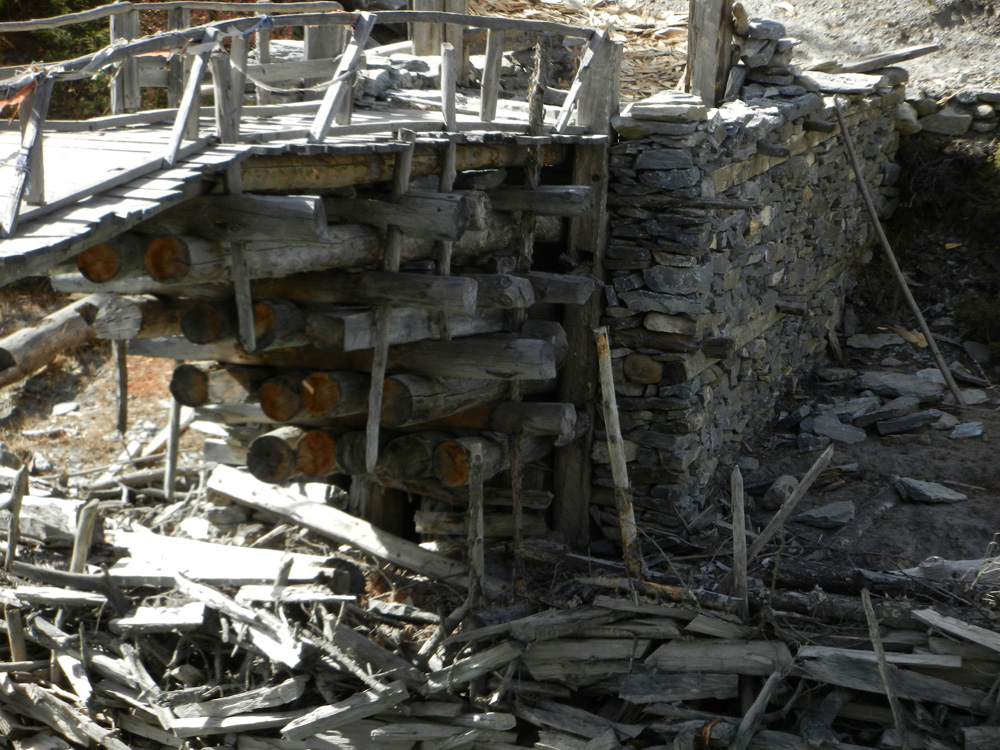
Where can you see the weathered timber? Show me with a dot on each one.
(726, 657)
(316, 454)
(334, 394)
(410, 456)
(206, 322)
(272, 457)
(431, 216)
(560, 289)
(709, 36)
(243, 217)
(512, 417)
(124, 318)
(278, 323)
(178, 347)
(194, 260)
(503, 291)
(451, 460)
(301, 173)
(414, 399)
(199, 384)
(350, 329)
(495, 525)
(548, 200)
(31, 348)
(358, 706)
(118, 257)
(481, 357)
(334, 524)
(281, 397)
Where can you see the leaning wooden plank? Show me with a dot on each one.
(251, 700)
(31, 143)
(655, 687)
(267, 632)
(198, 726)
(574, 720)
(725, 657)
(472, 667)
(358, 706)
(185, 617)
(952, 625)
(46, 596)
(29, 349)
(861, 675)
(291, 594)
(597, 39)
(154, 558)
(885, 59)
(935, 661)
(334, 524)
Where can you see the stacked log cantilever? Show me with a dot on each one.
(401, 312)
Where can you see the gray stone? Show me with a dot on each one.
(979, 352)
(850, 411)
(671, 179)
(779, 492)
(761, 28)
(748, 463)
(874, 340)
(967, 430)
(673, 106)
(664, 158)
(898, 407)
(899, 384)
(828, 516)
(793, 419)
(907, 119)
(835, 374)
(644, 300)
(919, 491)
(909, 423)
(947, 422)
(971, 396)
(948, 121)
(973, 95)
(834, 429)
(757, 53)
(670, 280)
(225, 515)
(61, 410)
(40, 464)
(932, 374)
(840, 83)
(811, 443)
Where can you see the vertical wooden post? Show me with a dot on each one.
(427, 37)
(898, 717)
(238, 54)
(85, 523)
(322, 42)
(173, 444)
(187, 113)
(35, 190)
(15, 633)
(710, 36)
(578, 385)
(619, 468)
(177, 19)
(125, 86)
(446, 180)
(226, 123)
(739, 542)
(491, 75)
(17, 494)
(120, 352)
(477, 561)
(454, 34)
(263, 39)
(383, 314)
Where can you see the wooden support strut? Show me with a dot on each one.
(27, 158)
(342, 83)
(383, 318)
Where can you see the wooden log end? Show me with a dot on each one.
(271, 459)
(320, 393)
(279, 399)
(316, 454)
(451, 464)
(208, 322)
(99, 263)
(397, 403)
(167, 258)
(189, 385)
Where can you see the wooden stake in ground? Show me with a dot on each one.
(883, 669)
(891, 257)
(616, 449)
(739, 543)
(17, 494)
(120, 351)
(85, 523)
(477, 562)
(173, 444)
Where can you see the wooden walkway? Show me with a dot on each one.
(104, 176)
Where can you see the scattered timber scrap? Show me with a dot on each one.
(278, 648)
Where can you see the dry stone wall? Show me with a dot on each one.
(734, 234)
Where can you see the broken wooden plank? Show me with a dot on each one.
(358, 706)
(758, 658)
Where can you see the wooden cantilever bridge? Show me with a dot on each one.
(402, 254)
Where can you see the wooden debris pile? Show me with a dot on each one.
(370, 641)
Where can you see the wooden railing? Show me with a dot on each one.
(193, 52)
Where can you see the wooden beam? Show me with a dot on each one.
(709, 40)
(491, 75)
(432, 216)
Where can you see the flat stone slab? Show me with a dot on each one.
(919, 491)
(840, 83)
(947, 122)
(874, 340)
(851, 411)
(670, 106)
(898, 407)
(967, 430)
(828, 516)
(909, 423)
(897, 384)
(834, 429)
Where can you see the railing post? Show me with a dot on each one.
(263, 39)
(322, 43)
(177, 19)
(427, 37)
(454, 34)
(125, 86)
